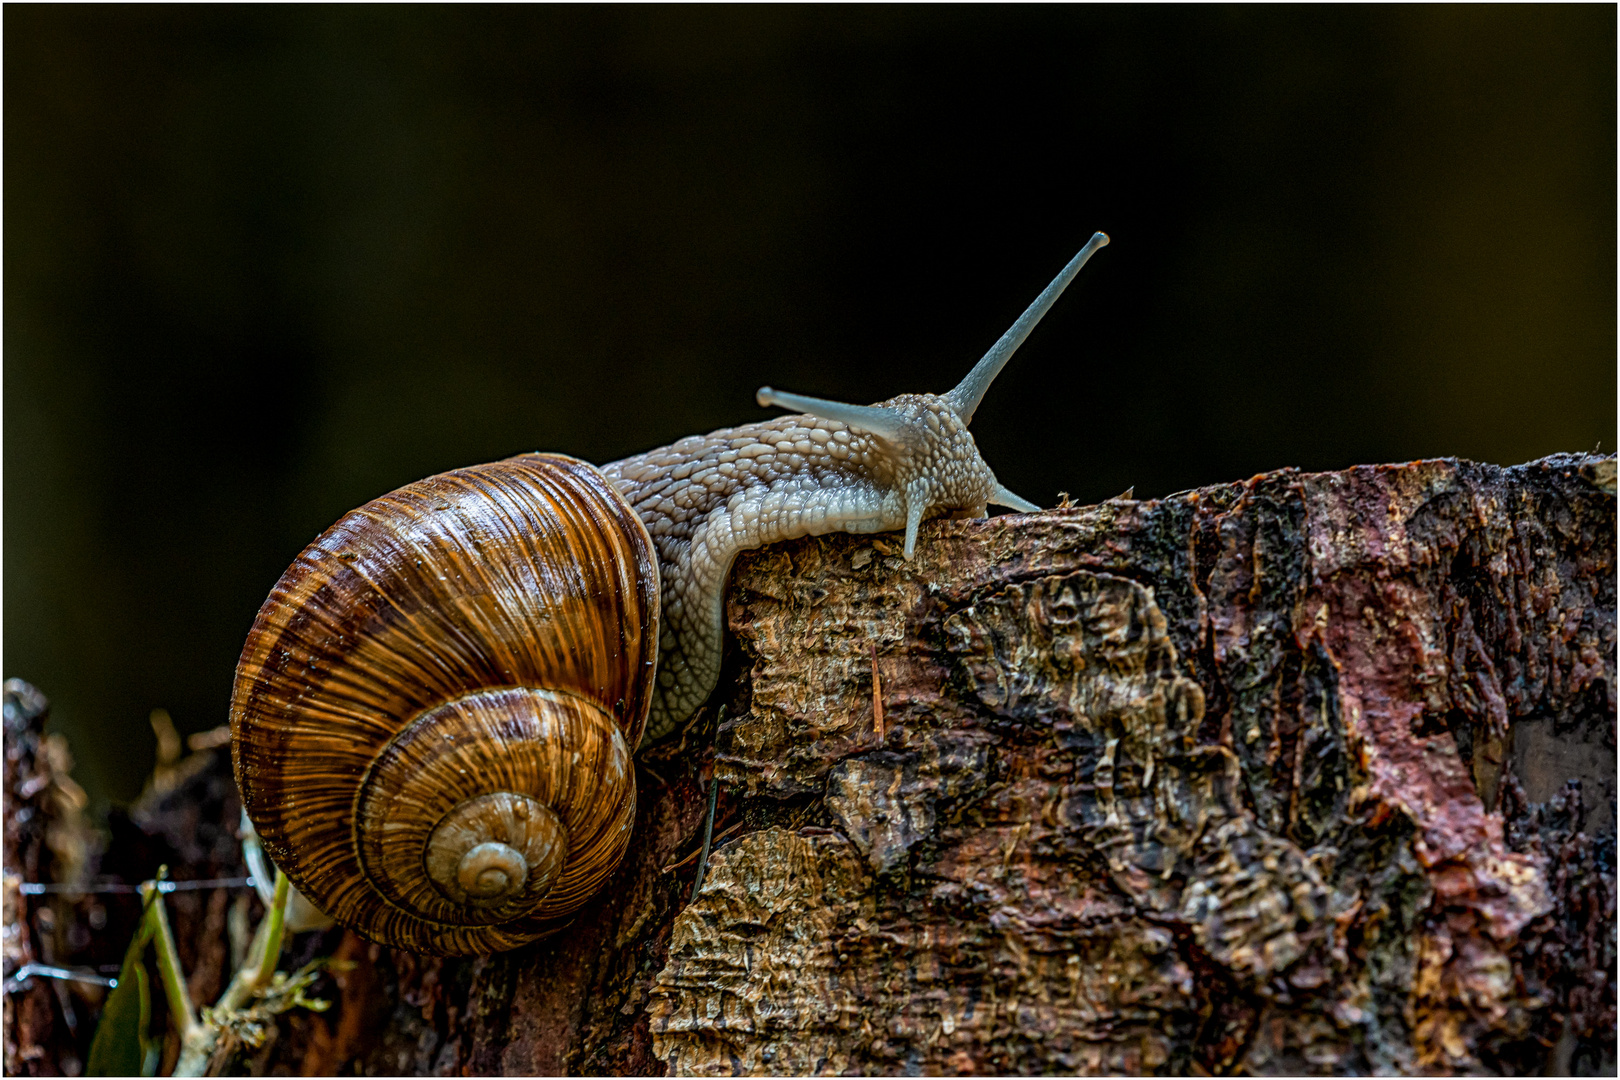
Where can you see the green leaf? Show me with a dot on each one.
(121, 1045)
(151, 1049)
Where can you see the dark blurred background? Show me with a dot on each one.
(265, 263)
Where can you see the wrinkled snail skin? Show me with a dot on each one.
(708, 498)
(435, 713)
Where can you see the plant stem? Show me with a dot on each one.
(168, 958)
(262, 956)
(272, 939)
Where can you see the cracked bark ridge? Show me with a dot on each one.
(1310, 773)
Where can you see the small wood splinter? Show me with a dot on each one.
(877, 698)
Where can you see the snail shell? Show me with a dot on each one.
(435, 711)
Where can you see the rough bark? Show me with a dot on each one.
(48, 1023)
(1311, 773)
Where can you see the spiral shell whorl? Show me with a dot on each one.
(472, 869)
(434, 712)
(557, 794)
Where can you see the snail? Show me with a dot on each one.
(436, 710)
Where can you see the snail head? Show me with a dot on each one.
(936, 464)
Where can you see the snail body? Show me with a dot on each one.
(435, 713)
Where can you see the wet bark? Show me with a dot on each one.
(1310, 773)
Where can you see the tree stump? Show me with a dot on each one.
(1310, 773)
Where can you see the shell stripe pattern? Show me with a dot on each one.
(526, 585)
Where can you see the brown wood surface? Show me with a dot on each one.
(1310, 773)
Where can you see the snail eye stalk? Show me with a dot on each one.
(967, 394)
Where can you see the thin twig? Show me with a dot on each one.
(708, 834)
(688, 857)
(719, 838)
(729, 829)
